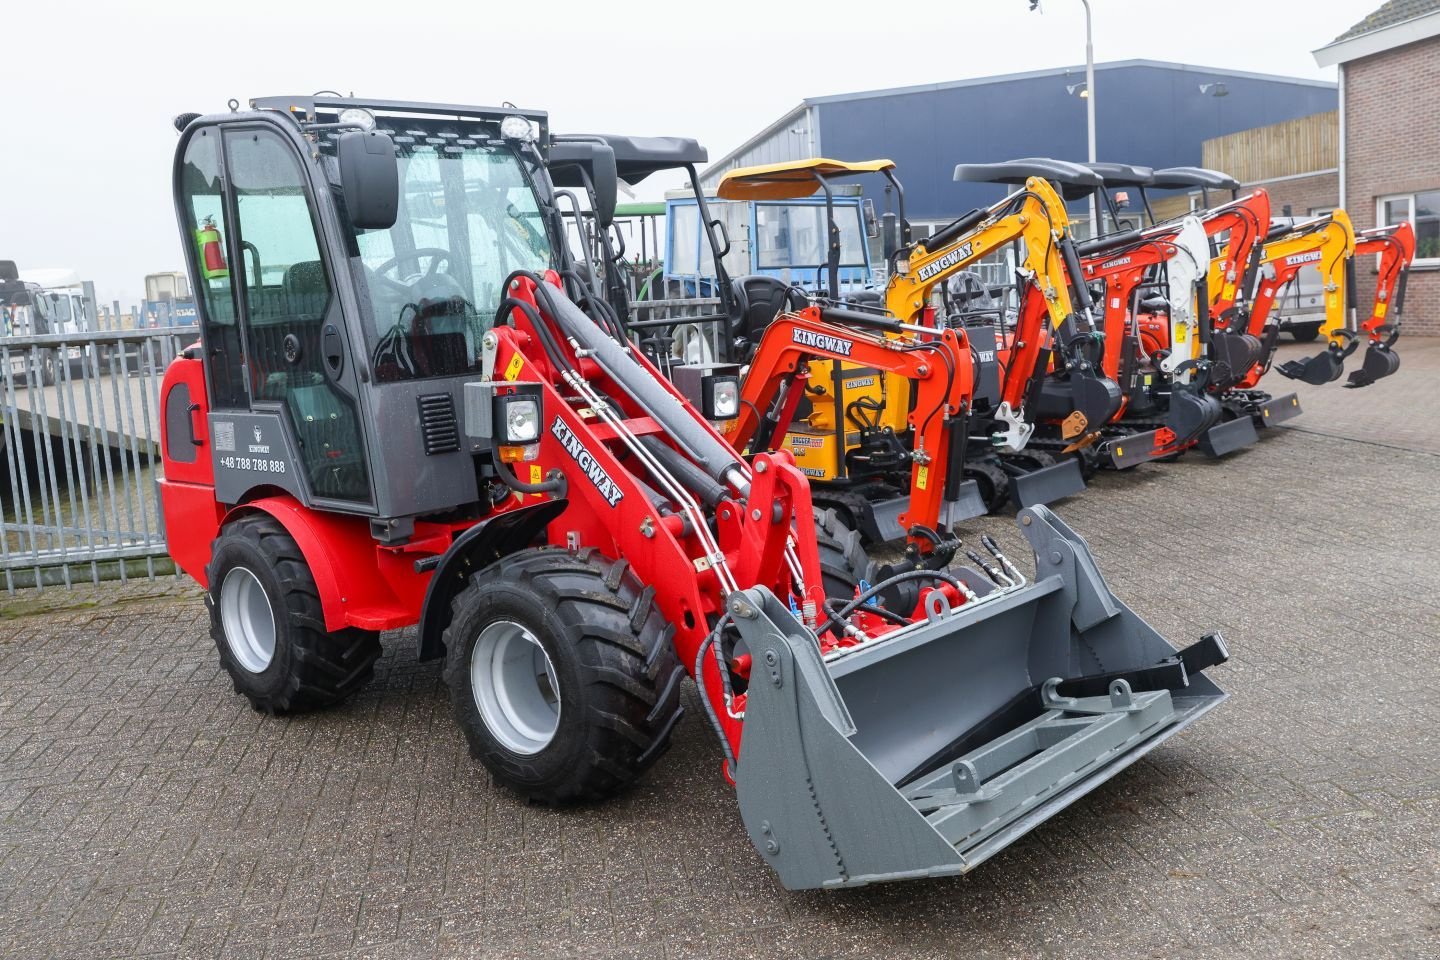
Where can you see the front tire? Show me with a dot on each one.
(269, 628)
(562, 675)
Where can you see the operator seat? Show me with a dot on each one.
(759, 299)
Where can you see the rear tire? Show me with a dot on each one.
(601, 695)
(1304, 332)
(843, 560)
(267, 622)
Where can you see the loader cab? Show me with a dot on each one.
(347, 256)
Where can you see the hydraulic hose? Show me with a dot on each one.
(705, 703)
(717, 459)
(555, 485)
(875, 590)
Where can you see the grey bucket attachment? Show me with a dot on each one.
(1048, 484)
(1228, 437)
(1324, 367)
(927, 751)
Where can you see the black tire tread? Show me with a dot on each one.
(326, 668)
(622, 646)
(843, 559)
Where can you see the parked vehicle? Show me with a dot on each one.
(46, 302)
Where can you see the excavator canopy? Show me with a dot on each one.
(791, 179)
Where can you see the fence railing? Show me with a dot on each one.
(80, 445)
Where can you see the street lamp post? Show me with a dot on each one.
(1090, 113)
(1089, 96)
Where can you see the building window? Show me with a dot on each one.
(1423, 212)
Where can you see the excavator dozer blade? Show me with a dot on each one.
(1228, 436)
(1277, 410)
(927, 751)
(1048, 484)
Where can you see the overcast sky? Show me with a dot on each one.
(87, 91)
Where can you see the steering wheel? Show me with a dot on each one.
(437, 256)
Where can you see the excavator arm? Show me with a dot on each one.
(1396, 248)
(1328, 244)
(939, 367)
(1035, 216)
(1243, 224)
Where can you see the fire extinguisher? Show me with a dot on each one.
(212, 254)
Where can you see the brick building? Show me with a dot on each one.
(1389, 133)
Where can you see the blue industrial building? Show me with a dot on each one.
(1147, 112)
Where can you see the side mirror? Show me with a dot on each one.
(369, 179)
(867, 212)
(606, 181)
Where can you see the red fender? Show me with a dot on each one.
(362, 583)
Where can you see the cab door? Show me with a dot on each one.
(290, 313)
(279, 375)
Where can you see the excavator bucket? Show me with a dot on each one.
(1324, 367)
(1380, 361)
(929, 750)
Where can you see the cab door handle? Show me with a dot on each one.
(333, 349)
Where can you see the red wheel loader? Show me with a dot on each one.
(397, 416)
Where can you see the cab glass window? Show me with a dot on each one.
(468, 218)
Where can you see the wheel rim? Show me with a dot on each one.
(248, 620)
(515, 688)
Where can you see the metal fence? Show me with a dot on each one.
(80, 444)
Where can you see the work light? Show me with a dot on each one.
(724, 398)
(517, 128)
(358, 116)
(517, 417)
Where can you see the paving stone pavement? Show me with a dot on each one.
(146, 811)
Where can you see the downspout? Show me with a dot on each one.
(1342, 164)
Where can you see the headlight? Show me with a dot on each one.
(522, 421)
(359, 116)
(724, 398)
(517, 128)
(513, 418)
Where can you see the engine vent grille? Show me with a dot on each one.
(438, 425)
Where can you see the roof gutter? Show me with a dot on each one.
(1409, 31)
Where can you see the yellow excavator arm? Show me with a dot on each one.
(1035, 215)
(1328, 246)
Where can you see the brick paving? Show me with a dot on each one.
(146, 811)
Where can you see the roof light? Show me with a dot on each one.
(517, 128)
(358, 116)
